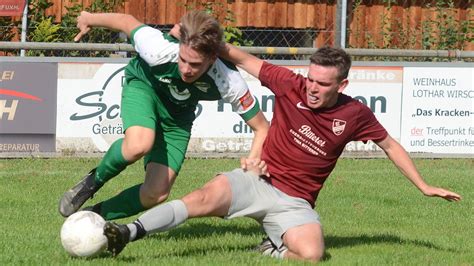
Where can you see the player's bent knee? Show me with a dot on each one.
(303, 250)
(313, 255)
(151, 198)
(205, 202)
(136, 150)
(197, 197)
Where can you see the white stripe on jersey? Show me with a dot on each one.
(154, 48)
(232, 87)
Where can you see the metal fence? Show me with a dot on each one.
(126, 50)
(272, 44)
(268, 44)
(389, 24)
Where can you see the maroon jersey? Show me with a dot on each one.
(303, 145)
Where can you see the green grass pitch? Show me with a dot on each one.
(371, 216)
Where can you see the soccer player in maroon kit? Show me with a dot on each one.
(312, 123)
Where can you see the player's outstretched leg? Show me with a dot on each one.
(118, 235)
(75, 197)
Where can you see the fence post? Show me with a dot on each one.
(340, 26)
(337, 25)
(343, 23)
(24, 27)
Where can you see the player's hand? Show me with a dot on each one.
(442, 193)
(175, 31)
(82, 25)
(257, 166)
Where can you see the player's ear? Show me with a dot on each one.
(342, 85)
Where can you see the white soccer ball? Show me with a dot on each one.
(82, 234)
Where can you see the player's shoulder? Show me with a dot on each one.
(223, 65)
(353, 104)
(228, 64)
(146, 32)
(224, 69)
(226, 76)
(346, 99)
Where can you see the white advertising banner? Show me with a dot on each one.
(89, 106)
(438, 110)
(426, 109)
(380, 88)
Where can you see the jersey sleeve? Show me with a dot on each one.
(279, 79)
(153, 46)
(369, 128)
(234, 90)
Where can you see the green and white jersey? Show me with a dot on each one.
(157, 67)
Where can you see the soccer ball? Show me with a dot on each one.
(82, 234)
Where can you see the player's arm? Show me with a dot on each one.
(260, 126)
(398, 155)
(115, 21)
(250, 63)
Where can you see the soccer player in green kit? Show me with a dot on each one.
(163, 85)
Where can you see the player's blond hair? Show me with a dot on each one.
(202, 33)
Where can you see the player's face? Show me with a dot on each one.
(322, 86)
(192, 64)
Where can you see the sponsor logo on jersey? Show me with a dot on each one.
(338, 126)
(179, 95)
(301, 106)
(202, 86)
(308, 132)
(247, 100)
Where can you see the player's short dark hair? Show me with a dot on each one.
(329, 56)
(201, 32)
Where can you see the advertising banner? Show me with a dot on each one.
(428, 109)
(28, 106)
(438, 113)
(380, 88)
(90, 107)
(12, 8)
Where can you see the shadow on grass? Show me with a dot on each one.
(105, 256)
(203, 230)
(196, 230)
(349, 241)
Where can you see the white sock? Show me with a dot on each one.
(133, 231)
(164, 217)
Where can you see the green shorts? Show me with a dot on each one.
(141, 106)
